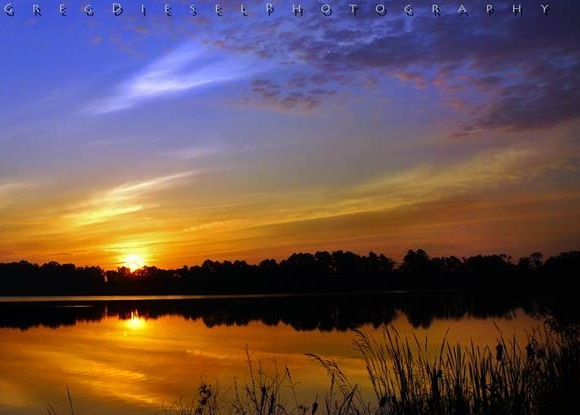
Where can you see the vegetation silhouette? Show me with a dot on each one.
(322, 272)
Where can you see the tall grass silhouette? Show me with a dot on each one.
(538, 376)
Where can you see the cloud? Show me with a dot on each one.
(193, 153)
(121, 200)
(477, 201)
(187, 68)
(296, 95)
(8, 190)
(488, 173)
(471, 174)
(499, 72)
(5, 188)
(213, 225)
(552, 99)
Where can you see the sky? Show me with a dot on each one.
(181, 138)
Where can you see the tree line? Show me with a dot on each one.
(340, 312)
(338, 271)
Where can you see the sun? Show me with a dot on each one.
(133, 262)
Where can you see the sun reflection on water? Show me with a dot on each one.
(135, 322)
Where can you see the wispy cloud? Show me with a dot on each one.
(494, 170)
(478, 176)
(7, 187)
(123, 199)
(8, 190)
(193, 153)
(190, 66)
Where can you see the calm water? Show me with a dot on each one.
(136, 355)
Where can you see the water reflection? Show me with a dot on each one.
(135, 322)
(134, 357)
(322, 313)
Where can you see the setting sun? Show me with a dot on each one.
(133, 262)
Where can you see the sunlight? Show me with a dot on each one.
(133, 262)
(135, 322)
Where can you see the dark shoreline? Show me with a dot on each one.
(326, 312)
(303, 273)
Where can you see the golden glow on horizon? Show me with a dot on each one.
(476, 204)
(133, 262)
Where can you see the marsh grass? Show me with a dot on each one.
(264, 392)
(542, 377)
(51, 411)
(406, 376)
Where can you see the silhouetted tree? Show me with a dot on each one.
(341, 271)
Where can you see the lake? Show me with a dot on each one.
(137, 355)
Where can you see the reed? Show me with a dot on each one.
(542, 376)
